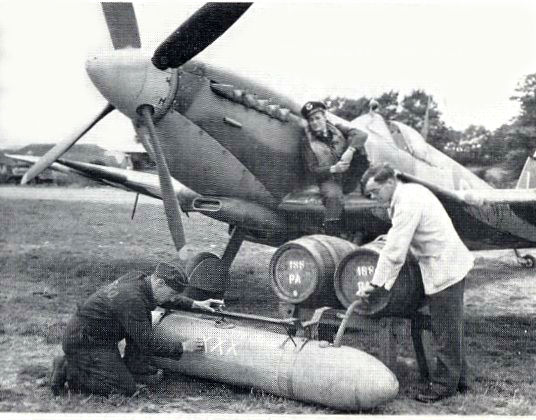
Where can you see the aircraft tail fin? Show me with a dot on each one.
(527, 179)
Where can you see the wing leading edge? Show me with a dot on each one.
(139, 182)
(478, 197)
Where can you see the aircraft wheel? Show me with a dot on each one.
(207, 277)
(528, 261)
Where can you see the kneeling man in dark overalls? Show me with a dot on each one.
(122, 310)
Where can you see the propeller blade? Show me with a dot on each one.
(171, 204)
(198, 32)
(59, 149)
(122, 25)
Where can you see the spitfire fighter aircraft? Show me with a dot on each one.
(229, 148)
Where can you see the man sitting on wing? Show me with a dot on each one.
(328, 150)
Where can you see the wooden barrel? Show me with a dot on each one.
(302, 270)
(357, 268)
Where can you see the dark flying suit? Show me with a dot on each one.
(321, 151)
(119, 310)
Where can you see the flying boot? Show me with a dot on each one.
(58, 376)
(149, 377)
(141, 367)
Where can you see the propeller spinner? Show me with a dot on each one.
(136, 85)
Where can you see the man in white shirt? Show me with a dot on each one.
(421, 225)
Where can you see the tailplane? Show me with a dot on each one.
(527, 179)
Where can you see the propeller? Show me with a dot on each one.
(122, 25)
(193, 36)
(198, 32)
(59, 149)
(123, 28)
(171, 204)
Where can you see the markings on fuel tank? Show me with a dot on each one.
(219, 345)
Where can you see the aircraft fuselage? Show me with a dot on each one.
(228, 137)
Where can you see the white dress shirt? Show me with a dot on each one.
(421, 225)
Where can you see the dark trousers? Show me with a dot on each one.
(446, 310)
(94, 366)
(98, 370)
(136, 361)
(332, 195)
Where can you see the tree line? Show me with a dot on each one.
(508, 146)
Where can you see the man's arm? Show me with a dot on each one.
(355, 137)
(185, 303)
(406, 218)
(355, 141)
(138, 326)
(179, 302)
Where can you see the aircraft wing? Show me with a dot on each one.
(140, 182)
(497, 196)
(310, 200)
(478, 197)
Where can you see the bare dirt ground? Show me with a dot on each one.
(58, 245)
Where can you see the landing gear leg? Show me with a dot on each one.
(527, 260)
(234, 244)
(208, 274)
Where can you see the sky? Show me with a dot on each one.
(470, 55)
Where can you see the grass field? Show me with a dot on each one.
(56, 252)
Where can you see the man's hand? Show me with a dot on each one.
(339, 167)
(366, 290)
(193, 346)
(347, 156)
(207, 305)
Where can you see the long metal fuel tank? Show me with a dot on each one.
(342, 377)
